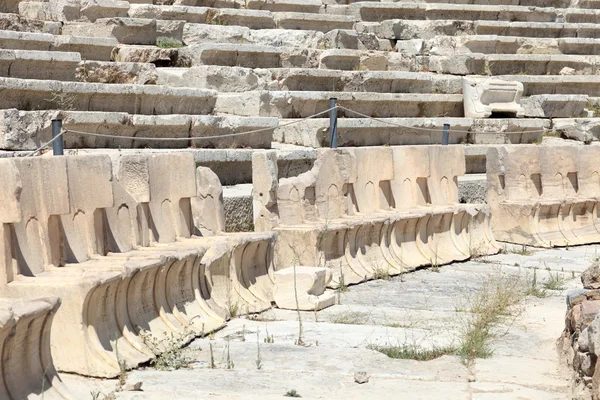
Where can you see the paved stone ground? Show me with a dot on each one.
(422, 308)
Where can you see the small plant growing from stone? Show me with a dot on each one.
(168, 350)
(229, 362)
(62, 101)
(555, 282)
(168, 43)
(292, 393)
(269, 338)
(533, 289)
(258, 357)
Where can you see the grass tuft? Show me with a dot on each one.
(413, 351)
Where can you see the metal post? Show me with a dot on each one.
(58, 144)
(333, 134)
(446, 135)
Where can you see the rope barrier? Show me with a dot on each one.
(297, 121)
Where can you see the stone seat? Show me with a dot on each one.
(90, 48)
(495, 44)
(125, 127)
(307, 39)
(359, 217)
(412, 131)
(303, 6)
(45, 10)
(566, 84)
(512, 64)
(549, 201)
(142, 31)
(378, 11)
(145, 253)
(315, 22)
(294, 104)
(418, 29)
(237, 79)
(26, 363)
(34, 64)
(134, 99)
(253, 19)
(303, 288)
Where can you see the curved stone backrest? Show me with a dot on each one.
(559, 171)
(514, 174)
(374, 170)
(127, 220)
(90, 193)
(446, 164)
(44, 198)
(411, 172)
(588, 172)
(172, 185)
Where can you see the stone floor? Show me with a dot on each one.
(424, 308)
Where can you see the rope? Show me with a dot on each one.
(297, 121)
(45, 144)
(161, 139)
(383, 121)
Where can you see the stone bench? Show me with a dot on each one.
(71, 11)
(495, 44)
(33, 64)
(143, 253)
(237, 79)
(315, 22)
(416, 29)
(88, 48)
(33, 94)
(308, 39)
(413, 131)
(544, 196)
(512, 64)
(127, 30)
(375, 11)
(253, 19)
(293, 104)
(27, 130)
(303, 288)
(566, 84)
(26, 363)
(366, 211)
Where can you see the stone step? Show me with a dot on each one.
(30, 94)
(127, 30)
(295, 104)
(236, 79)
(306, 6)
(260, 56)
(567, 84)
(494, 44)
(582, 129)
(27, 130)
(517, 64)
(14, 22)
(33, 64)
(379, 11)
(73, 11)
(526, 3)
(412, 131)
(315, 22)
(406, 29)
(308, 39)
(254, 19)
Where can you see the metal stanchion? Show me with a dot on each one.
(58, 145)
(333, 135)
